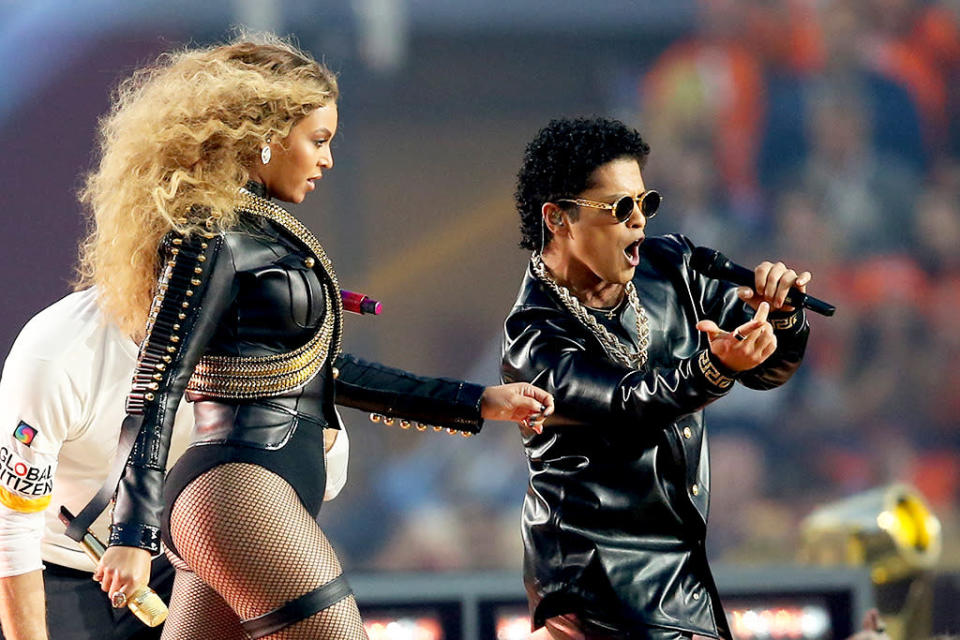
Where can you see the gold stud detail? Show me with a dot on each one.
(158, 376)
(421, 427)
(309, 262)
(201, 258)
(404, 424)
(687, 432)
(175, 251)
(153, 385)
(388, 420)
(160, 366)
(197, 270)
(375, 417)
(174, 338)
(167, 359)
(178, 241)
(238, 377)
(695, 489)
(182, 316)
(437, 429)
(149, 397)
(466, 434)
(195, 282)
(336, 373)
(203, 245)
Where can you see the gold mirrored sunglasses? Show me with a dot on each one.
(622, 209)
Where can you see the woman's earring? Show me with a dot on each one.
(265, 153)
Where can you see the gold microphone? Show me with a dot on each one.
(144, 603)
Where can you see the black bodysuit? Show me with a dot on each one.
(248, 324)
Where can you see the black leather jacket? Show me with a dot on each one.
(614, 520)
(251, 319)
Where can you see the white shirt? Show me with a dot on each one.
(62, 401)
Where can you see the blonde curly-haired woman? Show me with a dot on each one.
(237, 305)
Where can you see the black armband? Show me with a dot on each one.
(144, 536)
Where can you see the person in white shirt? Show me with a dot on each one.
(62, 398)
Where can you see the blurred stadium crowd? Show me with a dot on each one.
(821, 132)
(827, 134)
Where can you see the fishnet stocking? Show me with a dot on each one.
(197, 611)
(244, 532)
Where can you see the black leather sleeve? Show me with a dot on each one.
(792, 331)
(546, 347)
(442, 402)
(722, 305)
(196, 287)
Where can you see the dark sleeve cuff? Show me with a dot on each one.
(468, 395)
(787, 323)
(143, 536)
(395, 395)
(718, 377)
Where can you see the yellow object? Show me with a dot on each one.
(144, 603)
(23, 505)
(890, 529)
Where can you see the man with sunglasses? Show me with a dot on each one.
(633, 344)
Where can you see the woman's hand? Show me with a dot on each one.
(123, 570)
(746, 346)
(519, 402)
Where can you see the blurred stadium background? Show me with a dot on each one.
(822, 132)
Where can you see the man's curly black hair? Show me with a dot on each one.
(559, 161)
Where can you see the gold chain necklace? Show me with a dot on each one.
(614, 348)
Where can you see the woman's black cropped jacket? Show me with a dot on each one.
(252, 318)
(615, 515)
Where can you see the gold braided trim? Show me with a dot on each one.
(275, 374)
(264, 376)
(781, 324)
(711, 373)
(252, 203)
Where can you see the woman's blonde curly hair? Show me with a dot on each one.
(179, 141)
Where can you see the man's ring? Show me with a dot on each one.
(118, 599)
(740, 338)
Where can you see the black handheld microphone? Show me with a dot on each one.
(714, 264)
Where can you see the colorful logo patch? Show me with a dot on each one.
(25, 433)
